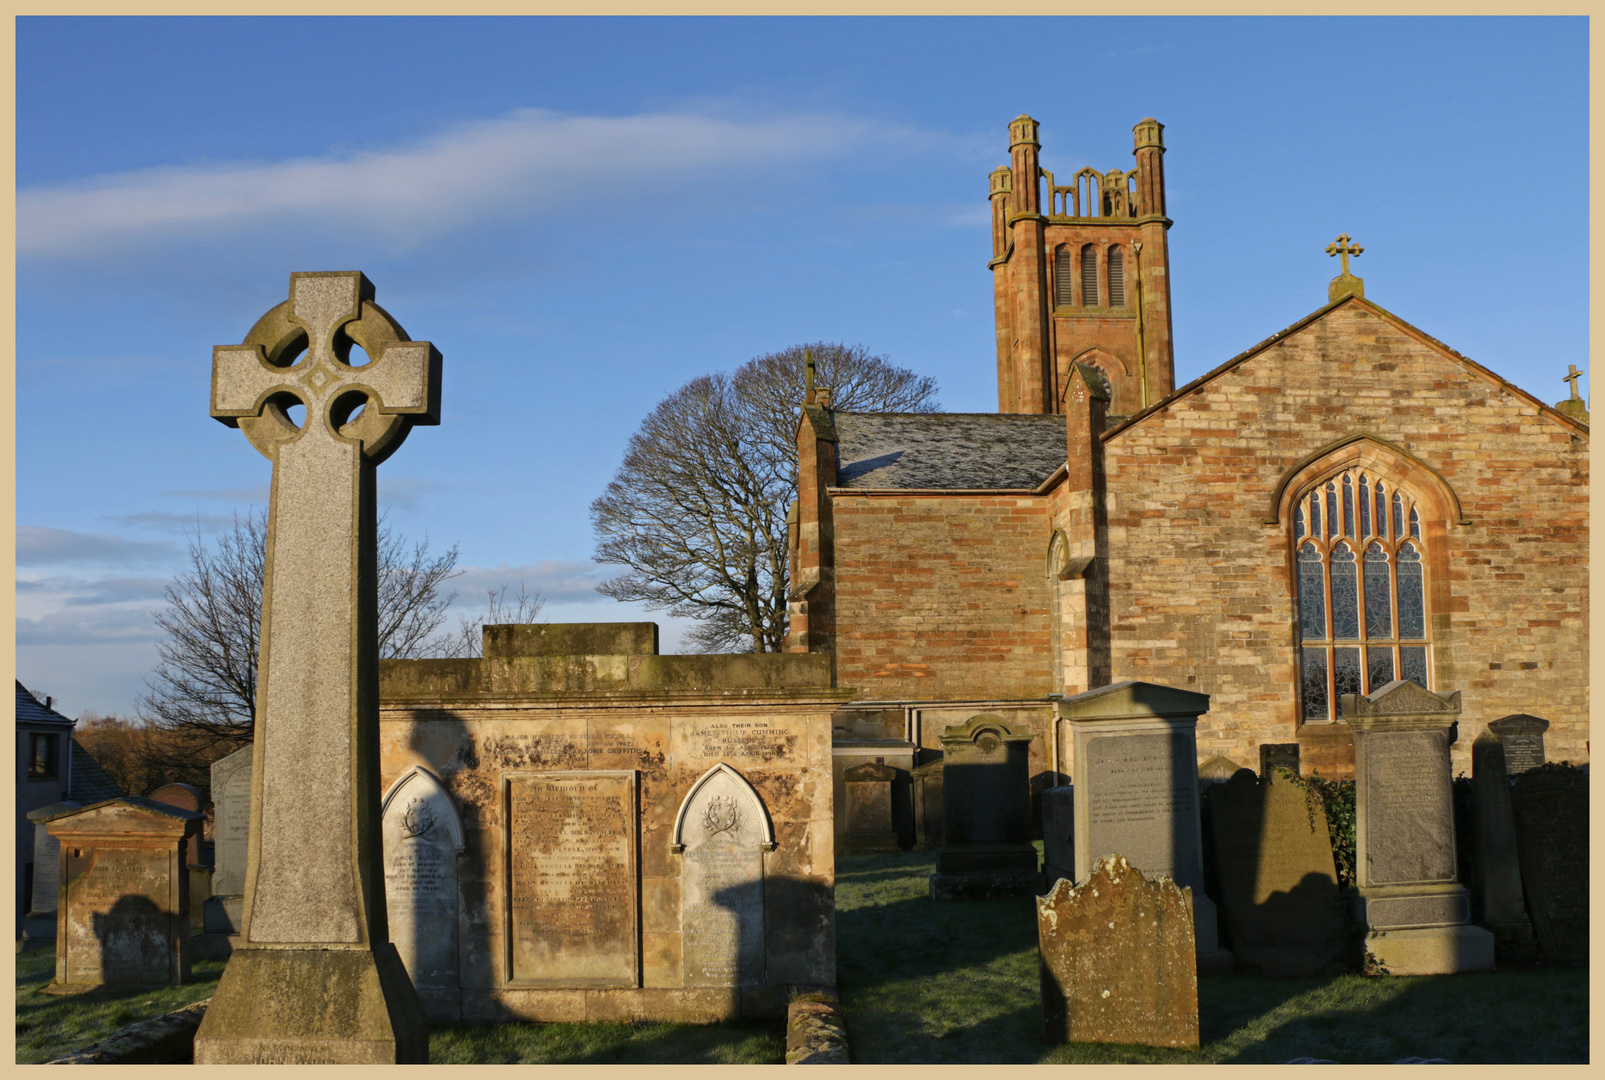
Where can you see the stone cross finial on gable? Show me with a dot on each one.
(1570, 378)
(808, 376)
(1342, 246)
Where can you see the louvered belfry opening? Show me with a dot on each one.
(1117, 278)
(1089, 276)
(1062, 274)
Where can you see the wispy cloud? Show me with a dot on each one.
(527, 162)
(87, 626)
(39, 546)
(82, 592)
(559, 582)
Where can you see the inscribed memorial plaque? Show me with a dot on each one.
(723, 831)
(422, 838)
(1523, 736)
(1143, 803)
(117, 918)
(231, 800)
(1409, 808)
(572, 879)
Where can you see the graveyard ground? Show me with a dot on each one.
(957, 982)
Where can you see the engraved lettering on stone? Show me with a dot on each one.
(1138, 793)
(572, 881)
(721, 893)
(422, 838)
(1409, 815)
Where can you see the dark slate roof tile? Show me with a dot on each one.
(30, 711)
(947, 450)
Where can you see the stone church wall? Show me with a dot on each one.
(941, 597)
(1201, 586)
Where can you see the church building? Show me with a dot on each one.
(1345, 503)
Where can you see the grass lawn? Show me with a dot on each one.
(957, 982)
(51, 1027)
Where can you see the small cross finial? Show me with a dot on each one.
(1343, 246)
(808, 376)
(1571, 378)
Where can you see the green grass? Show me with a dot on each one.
(957, 982)
(589, 1044)
(51, 1027)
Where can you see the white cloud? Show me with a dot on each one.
(528, 161)
(38, 546)
(559, 582)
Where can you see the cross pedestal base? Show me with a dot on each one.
(309, 1006)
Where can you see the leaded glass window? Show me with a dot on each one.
(1362, 618)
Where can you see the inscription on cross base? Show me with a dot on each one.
(308, 879)
(1342, 246)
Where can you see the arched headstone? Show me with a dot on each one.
(722, 832)
(423, 835)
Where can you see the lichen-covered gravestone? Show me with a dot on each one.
(1278, 882)
(123, 913)
(1404, 834)
(423, 835)
(315, 978)
(1118, 960)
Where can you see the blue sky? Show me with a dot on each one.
(582, 215)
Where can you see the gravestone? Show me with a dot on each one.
(315, 978)
(423, 835)
(231, 830)
(927, 788)
(1136, 791)
(189, 797)
(1496, 901)
(46, 867)
(1550, 804)
(1117, 959)
(1523, 737)
(1405, 868)
(986, 852)
(721, 834)
(1278, 882)
(1273, 756)
(1058, 834)
(122, 915)
(572, 895)
(868, 799)
(1217, 770)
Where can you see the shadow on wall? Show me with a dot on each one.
(134, 942)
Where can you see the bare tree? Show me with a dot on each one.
(467, 640)
(697, 511)
(205, 682)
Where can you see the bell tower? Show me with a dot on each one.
(1081, 274)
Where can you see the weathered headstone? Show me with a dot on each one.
(315, 978)
(1405, 865)
(1136, 791)
(1523, 737)
(231, 829)
(46, 864)
(1117, 959)
(1217, 770)
(1279, 890)
(927, 785)
(571, 838)
(189, 797)
(1058, 834)
(123, 912)
(1496, 901)
(868, 798)
(1551, 811)
(987, 852)
(721, 834)
(423, 835)
(1273, 756)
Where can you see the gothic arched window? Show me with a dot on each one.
(1063, 272)
(1362, 618)
(1117, 278)
(1089, 276)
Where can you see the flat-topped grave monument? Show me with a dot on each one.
(315, 978)
(986, 852)
(1405, 866)
(123, 911)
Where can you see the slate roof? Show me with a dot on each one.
(30, 711)
(89, 783)
(947, 450)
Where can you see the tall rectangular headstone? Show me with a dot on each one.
(1405, 867)
(987, 852)
(1495, 868)
(423, 835)
(722, 833)
(867, 798)
(231, 830)
(572, 882)
(1058, 834)
(1136, 791)
(1523, 738)
(123, 913)
(316, 979)
(1551, 811)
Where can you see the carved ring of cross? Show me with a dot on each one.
(308, 365)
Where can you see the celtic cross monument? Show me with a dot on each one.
(315, 978)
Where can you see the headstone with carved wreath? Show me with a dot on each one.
(422, 838)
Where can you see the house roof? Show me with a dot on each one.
(30, 711)
(947, 450)
(88, 782)
(1376, 309)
